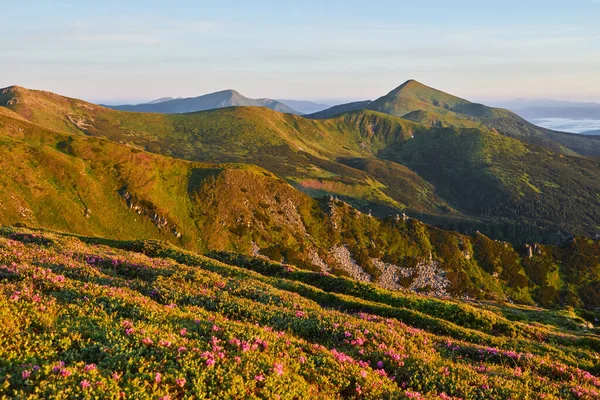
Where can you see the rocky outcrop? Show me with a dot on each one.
(390, 275)
(343, 258)
(80, 122)
(314, 259)
(427, 278)
(141, 208)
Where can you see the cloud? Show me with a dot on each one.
(109, 31)
(192, 26)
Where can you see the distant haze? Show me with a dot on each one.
(566, 116)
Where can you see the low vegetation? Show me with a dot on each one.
(89, 318)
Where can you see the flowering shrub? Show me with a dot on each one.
(89, 321)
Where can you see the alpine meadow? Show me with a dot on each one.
(215, 245)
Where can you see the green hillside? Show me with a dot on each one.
(304, 152)
(93, 186)
(417, 102)
(442, 109)
(507, 188)
(91, 318)
(494, 176)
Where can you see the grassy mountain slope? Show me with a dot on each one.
(225, 98)
(91, 318)
(420, 103)
(94, 186)
(413, 96)
(340, 109)
(478, 173)
(302, 151)
(448, 110)
(492, 175)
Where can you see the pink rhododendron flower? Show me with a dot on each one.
(259, 378)
(278, 368)
(157, 377)
(89, 367)
(85, 384)
(180, 382)
(26, 374)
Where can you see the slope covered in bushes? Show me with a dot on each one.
(90, 318)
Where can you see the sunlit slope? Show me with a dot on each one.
(86, 317)
(445, 171)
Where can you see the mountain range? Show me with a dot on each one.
(304, 106)
(312, 191)
(545, 108)
(224, 98)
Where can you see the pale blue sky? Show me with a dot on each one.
(139, 50)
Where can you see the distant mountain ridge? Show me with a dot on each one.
(222, 99)
(304, 106)
(340, 109)
(587, 112)
(546, 108)
(522, 103)
(161, 100)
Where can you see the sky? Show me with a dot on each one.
(129, 51)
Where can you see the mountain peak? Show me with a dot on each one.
(411, 82)
(414, 96)
(12, 89)
(415, 88)
(230, 92)
(220, 99)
